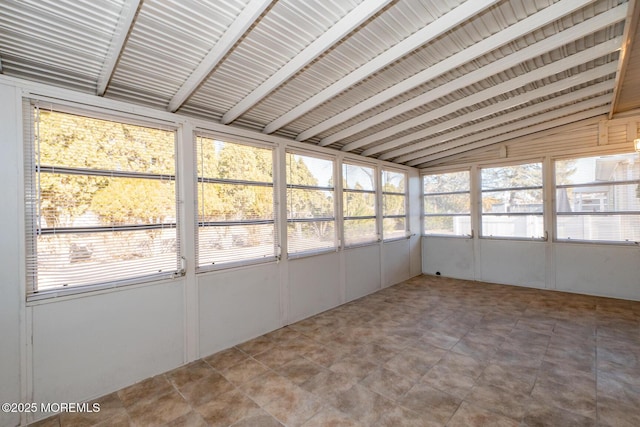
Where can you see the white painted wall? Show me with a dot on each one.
(315, 285)
(11, 290)
(237, 305)
(604, 270)
(592, 269)
(451, 257)
(363, 277)
(396, 256)
(83, 346)
(512, 262)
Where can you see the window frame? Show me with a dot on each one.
(405, 194)
(286, 187)
(557, 186)
(543, 215)
(443, 193)
(32, 199)
(376, 209)
(204, 268)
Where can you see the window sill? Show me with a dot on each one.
(58, 295)
(311, 253)
(234, 265)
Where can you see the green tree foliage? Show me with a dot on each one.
(227, 201)
(71, 141)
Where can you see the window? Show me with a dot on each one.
(236, 214)
(310, 204)
(447, 204)
(512, 201)
(100, 202)
(359, 204)
(598, 198)
(394, 205)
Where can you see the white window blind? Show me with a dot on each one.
(512, 201)
(310, 204)
(359, 204)
(598, 198)
(394, 205)
(236, 212)
(100, 202)
(447, 204)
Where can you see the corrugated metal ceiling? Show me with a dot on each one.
(411, 81)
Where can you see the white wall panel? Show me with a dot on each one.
(92, 345)
(314, 285)
(604, 270)
(396, 261)
(237, 305)
(362, 272)
(451, 257)
(11, 298)
(513, 262)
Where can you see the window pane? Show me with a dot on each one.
(304, 203)
(447, 203)
(599, 198)
(393, 228)
(311, 171)
(359, 204)
(232, 161)
(87, 224)
(393, 204)
(82, 142)
(512, 201)
(446, 182)
(621, 167)
(358, 231)
(393, 182)
(358, 177)
(598, 189)
(613, 228)
(232, 202)
(309, 236)
(523, 226)
(231, 243)
(92, 201)
(454, 225)
(528, 175)
(68, 260)
(452, 204)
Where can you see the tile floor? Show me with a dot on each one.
(430, 351)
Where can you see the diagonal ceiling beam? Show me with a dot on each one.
(441, 25)
(516, 31)
(337, 32)
(120, 34)
(578, 128)
(532, 129)
(481, 130)
(507, 104)
(236, 30)
(515, 119)
(630, 29)
(551, 69)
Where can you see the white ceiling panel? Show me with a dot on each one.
(411, 81)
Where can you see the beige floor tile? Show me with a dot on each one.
(294, 407)
(226, 358)
(228, 408)
(469, 415)
(244, 371)
(387, 383)
(206, 389)
(436, 404)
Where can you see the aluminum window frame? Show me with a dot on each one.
(200, 180)
(33, 170)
